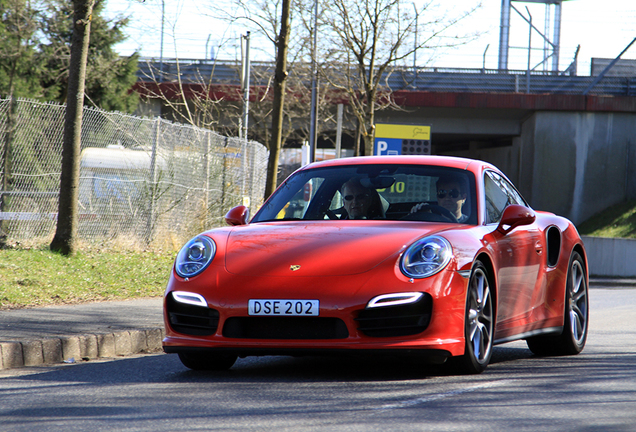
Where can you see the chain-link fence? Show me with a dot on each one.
(142, 181)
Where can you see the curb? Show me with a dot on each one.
(601, 282)
(37, 352)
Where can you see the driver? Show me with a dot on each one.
(360, 202)
(451, 194)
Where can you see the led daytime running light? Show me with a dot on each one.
(189, 298)
(395, 299)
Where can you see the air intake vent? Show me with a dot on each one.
(285, 328)
(391, 321)
(191, 320)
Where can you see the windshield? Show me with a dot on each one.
(391, 192)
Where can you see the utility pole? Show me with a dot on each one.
(245, 88)
(314, 97)
(245, 83)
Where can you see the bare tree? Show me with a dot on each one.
(66, 231)
(365, 40)
(195, 102)
(280, 79)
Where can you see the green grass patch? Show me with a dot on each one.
(616, 221)
(39, 277)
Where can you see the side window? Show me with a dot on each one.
(496, 200)
(298, 204)
(499, 195)
(337, 201)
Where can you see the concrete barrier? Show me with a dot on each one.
(611, 257)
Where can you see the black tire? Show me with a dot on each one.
(576, 316)
(207, 362)
(479, 323)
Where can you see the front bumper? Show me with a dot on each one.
(433, 326)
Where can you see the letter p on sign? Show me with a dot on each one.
(382, 147)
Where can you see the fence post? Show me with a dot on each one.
(223, 174)
(206, 194)
(6, 165)
(253, 198)
(153, 182)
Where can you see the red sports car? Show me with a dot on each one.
(428, 256)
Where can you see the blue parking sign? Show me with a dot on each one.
(387, 147)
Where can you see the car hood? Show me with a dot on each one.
(318, 248)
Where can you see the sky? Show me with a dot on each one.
(603, 29)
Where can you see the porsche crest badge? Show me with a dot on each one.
(294, 267)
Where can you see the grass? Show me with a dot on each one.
(616, 221)
(39, 277)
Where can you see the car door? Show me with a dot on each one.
(518, 254)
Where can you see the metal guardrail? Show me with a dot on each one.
(422, 79)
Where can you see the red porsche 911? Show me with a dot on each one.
(428, 256)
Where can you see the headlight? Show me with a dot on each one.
(195, 256)
(426, 257)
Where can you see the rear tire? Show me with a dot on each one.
(576, 315)
(207, 362)
(479, 323)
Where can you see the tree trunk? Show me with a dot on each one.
(280, 78)
(64, 240)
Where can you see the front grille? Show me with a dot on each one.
(401, 320)
(190, 319)
(285, 328)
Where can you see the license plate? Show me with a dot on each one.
(283, 307)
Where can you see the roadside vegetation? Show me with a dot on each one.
(616, 221)
(39, 277)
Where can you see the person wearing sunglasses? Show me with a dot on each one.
(360, 202)
(451, 194)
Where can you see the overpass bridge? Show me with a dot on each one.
(567, 141)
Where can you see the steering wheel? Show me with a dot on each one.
(435, 209)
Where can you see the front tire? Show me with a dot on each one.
(207, 362)
(479, 323)
(576, 315)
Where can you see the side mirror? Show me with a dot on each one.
(515, 215)
(237, 216)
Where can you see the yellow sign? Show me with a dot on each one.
(411, 132)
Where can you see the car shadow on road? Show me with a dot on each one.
(168, 368)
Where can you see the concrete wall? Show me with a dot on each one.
(577, 164)
(572, 164)
(611, 257)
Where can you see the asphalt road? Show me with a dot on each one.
(595, 390)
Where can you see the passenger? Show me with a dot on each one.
(360, 202)
(451, 194)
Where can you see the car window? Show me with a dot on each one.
(388, 192)
(499, 195)
(296, 207)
